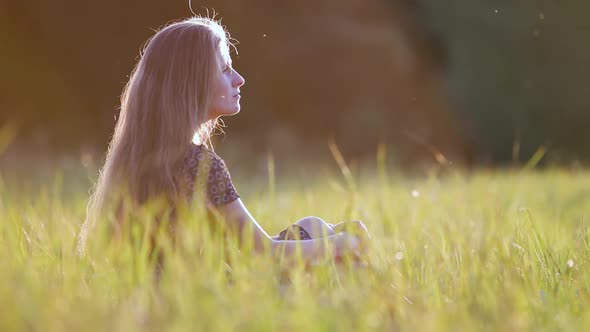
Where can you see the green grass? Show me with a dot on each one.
(503, 251)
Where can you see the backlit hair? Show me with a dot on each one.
(163, 108)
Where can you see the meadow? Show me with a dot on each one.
(485, 250)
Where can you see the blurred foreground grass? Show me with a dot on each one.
(502, 251)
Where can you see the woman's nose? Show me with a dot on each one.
(238, 80)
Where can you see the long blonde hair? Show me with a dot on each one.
(163, 108)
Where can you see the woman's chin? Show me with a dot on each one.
(234, 112)
(226, 113)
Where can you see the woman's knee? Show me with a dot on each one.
(309, 221)
(316, 227)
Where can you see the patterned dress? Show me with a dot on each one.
(203, 168)
(294, 232)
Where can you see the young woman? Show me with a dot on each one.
(161, 148)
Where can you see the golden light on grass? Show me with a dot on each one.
(497, 251)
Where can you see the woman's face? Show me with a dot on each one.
(226, 88)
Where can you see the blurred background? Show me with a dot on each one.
(484, 82)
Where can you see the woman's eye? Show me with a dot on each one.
(226, 68)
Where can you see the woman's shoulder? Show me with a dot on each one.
(199, 154)
(199, 159)
(203, 167)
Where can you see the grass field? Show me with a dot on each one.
(488, 250)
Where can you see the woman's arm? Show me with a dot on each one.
(238, 219)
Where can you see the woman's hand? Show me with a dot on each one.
(355, 227)
(345, 243)
(355, 241)
(351, 238)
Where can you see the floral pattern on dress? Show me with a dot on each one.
(202, 168)
(294, 232)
